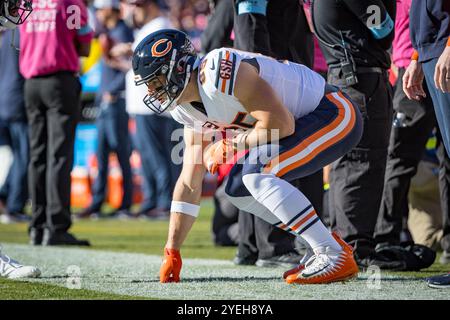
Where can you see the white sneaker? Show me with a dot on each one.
(12, 269)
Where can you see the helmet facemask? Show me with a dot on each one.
(14, 12)
(169, 82)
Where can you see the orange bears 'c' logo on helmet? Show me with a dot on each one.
(156, 53)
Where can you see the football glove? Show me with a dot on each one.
(221, 152)
(171, 266)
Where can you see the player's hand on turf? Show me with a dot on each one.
(171, 266)
(413, 81)
(219, 153)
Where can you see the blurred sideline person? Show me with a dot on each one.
(220, 26)
(13, 193)
(412, 126)
(425, 211)
(12, 14)
(52, 101)
(153, 138)
(430, 36)
(248, 97)
(112, 121)
(355, 45)
(225, 227)
(277, 28)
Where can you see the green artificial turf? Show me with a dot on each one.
(139, 236)
(124, 261)
(24, 290)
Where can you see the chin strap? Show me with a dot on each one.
(186, 79)
(189, 69)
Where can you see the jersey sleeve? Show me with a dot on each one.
(218, 71)
(180, 116)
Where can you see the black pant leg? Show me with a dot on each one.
(290, 37)
(357, 178)
(61, 95)
(444, 183)
(409, 134)
(247, 247)
(282, 33)
(251, 32)
(37, 133)
(271, 35)
(271, 241)
(225, 217)
(312, 187)
(220, 25)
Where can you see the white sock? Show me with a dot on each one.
(249, 204)
(289, 205)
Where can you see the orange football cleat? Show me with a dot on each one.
(308, 254)
(327, 265)
(295, 270)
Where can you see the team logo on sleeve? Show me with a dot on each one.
(225, 72)
(158, 45)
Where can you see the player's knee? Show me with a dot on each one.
(257, 183)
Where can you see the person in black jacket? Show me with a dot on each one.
(276, 28)
(355, 37)
(430, 35)
(220, 25)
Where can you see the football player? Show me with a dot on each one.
(289, 119)
(13, 13)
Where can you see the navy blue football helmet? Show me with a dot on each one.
(165, 58)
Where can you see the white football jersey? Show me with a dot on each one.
(299, 88)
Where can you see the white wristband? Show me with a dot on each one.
(186, 208)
